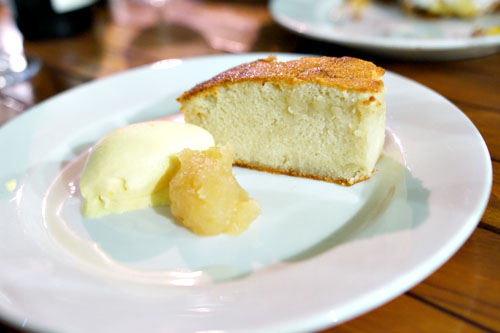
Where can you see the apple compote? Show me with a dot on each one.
(206, 197)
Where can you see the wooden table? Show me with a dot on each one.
(464, 294)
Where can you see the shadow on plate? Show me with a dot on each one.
(393, 209)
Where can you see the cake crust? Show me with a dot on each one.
(295, 173)
(344, 73)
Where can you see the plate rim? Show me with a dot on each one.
(315, 322)
(378, 42)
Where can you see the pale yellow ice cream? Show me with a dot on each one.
(131, 167)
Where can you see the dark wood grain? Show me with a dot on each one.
(406, 314)
(491, 217)
(467, 285)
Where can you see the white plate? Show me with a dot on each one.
(318, 255)
(384, 28)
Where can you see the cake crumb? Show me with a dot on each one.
(11, 185)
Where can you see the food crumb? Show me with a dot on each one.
(11, 185)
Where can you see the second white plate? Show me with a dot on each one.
(384, 28)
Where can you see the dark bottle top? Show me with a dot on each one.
(43, 19)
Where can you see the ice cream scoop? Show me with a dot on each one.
(131, 167)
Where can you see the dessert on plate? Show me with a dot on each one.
(158, 163)
(206, 197)
(316, 117)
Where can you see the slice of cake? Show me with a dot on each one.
(322, 118)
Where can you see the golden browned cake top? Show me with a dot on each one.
(344, 73)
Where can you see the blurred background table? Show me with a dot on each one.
(464, 294)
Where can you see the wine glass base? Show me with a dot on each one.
(9, 77)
